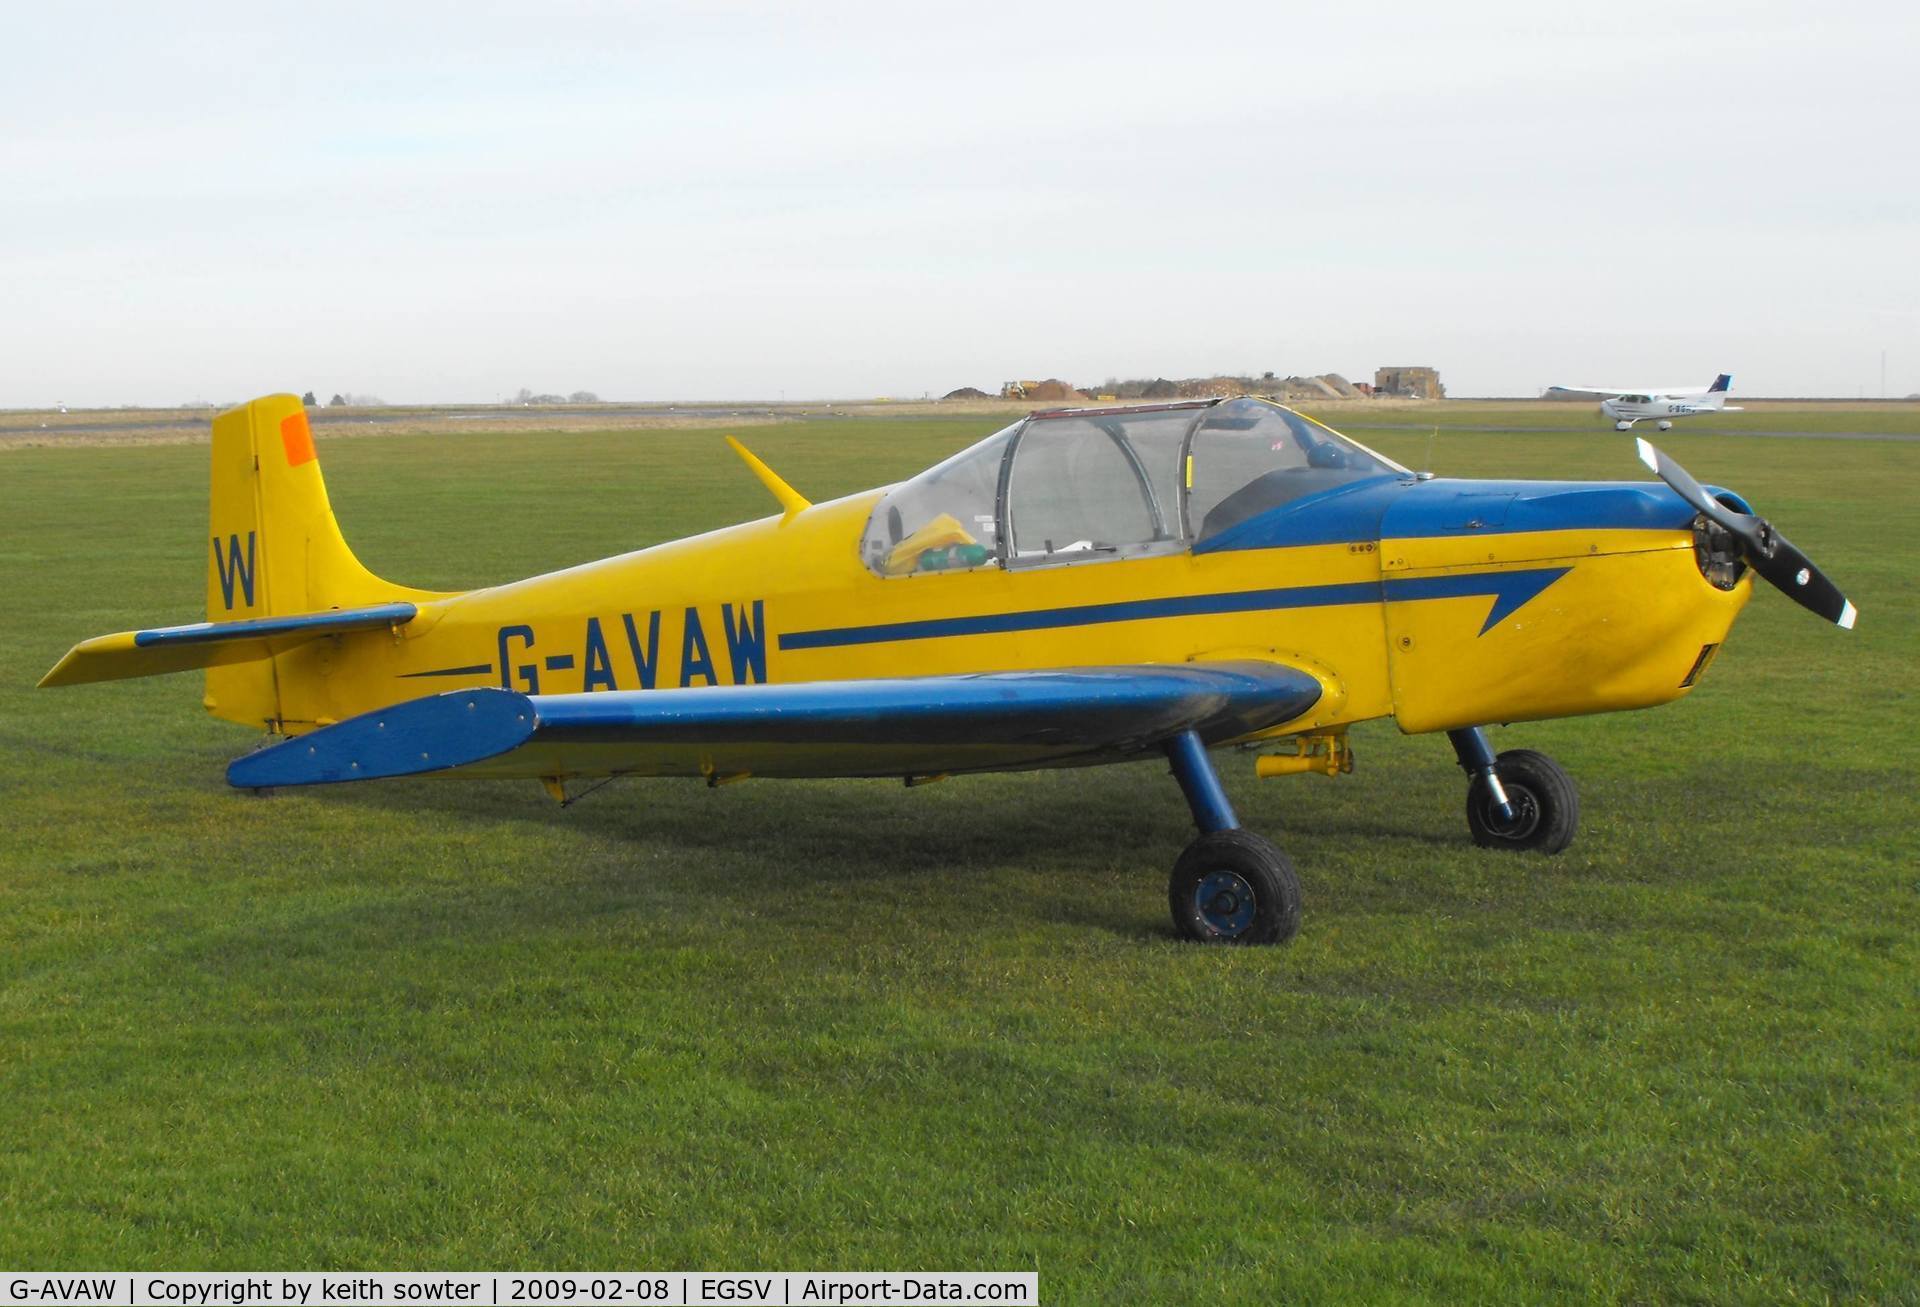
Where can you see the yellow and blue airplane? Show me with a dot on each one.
(1086, 586)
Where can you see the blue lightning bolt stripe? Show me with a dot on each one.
(1508, 590)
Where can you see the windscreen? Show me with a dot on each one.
(943, 519)
(1249, 456)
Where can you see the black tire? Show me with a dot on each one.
(1232, 887)
(1546, 806)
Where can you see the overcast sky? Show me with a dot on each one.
(666, 201)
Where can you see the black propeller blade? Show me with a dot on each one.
(1767, 552)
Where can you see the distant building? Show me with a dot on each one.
(1409, 383)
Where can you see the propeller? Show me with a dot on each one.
(1767, 552)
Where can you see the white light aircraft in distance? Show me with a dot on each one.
(1627, 405)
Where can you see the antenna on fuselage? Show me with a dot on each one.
(792, 502)
(1431, 437)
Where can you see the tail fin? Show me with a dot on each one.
(279, 577)
(1721, 383)
(275, 546)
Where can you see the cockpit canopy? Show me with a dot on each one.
(1086, 484)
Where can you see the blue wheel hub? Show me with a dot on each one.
(1226, 902)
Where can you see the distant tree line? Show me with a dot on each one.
(347, 399)
(525, 397)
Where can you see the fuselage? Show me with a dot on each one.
(1440, 603)
(1629, 409)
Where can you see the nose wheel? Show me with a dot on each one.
(1522, 800)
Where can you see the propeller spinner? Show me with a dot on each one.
(1766, 551)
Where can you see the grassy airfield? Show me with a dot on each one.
(844, 1024)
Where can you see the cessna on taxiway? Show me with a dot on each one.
(1627, 405)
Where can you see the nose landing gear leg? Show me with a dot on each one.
(1230, 886)
(1476, 759)
(1520, 800)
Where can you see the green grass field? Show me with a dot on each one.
(844, 1024)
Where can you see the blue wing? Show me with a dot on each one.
(896, 727)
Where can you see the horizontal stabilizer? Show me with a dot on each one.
(211, 644)
(895, 727)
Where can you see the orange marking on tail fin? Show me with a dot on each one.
(297, 437)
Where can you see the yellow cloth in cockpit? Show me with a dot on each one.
(941, 533)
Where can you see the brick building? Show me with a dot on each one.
(1410, 383)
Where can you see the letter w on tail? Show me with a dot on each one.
(230, 568)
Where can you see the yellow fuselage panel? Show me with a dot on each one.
(788, 600)
(1624, 627)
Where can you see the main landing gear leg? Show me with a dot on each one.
(1230, 886)
(1520, 800)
